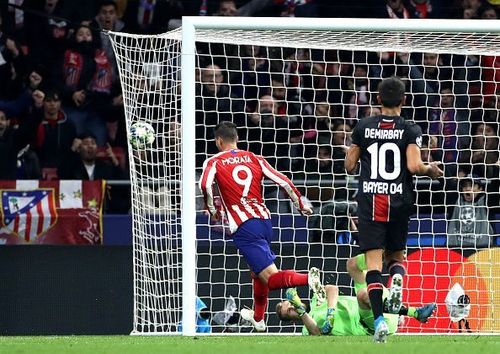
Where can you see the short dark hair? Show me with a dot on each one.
(87, 134)
(227, 131)
(105, 3)
(391, 92)
(52, 95)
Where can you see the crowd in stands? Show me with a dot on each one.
(61, 105)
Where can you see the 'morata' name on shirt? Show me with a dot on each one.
(236, 159)
(374, 133)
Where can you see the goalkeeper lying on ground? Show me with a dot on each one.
(344, 315)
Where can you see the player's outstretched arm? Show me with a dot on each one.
(352, 158)
(284, 182)
(417, 167)
(311, 325)
(307, 320)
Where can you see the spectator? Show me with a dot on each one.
(443, 126)
(214, 103)
(55, 134)
(422, 8)
(85, 78)
(14, 19)
(317, 127)
(23, 104)
(341, 141)
(360, 90)
(320, 167)
(269, 133)
(255, 73)
(487, 12)
(474, 5)
(468, 225)
(492, 112)
(483, 158)
(299, 8)
(261, 130)
(396, 9)
(286, 8)
(14, 139)
(82, 162)
(150, 16)
(387, 64)
(433, 70)
(227, 8)
(46, 35)
(12, 66)
(107, 19)
(425, 150)
(287, 100)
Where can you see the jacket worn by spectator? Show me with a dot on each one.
(469, 225)
(12, 141)
(82, 163)
(75, 168)
(55, 134)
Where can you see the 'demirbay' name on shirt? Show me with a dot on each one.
(374, 133)
(236, 159)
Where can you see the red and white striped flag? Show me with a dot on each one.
(51, 212)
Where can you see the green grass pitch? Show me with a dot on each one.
(249, 345)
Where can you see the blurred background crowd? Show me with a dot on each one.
(61, 104)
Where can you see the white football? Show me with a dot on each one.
(141, 135)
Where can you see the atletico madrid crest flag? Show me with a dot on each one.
(51, 212)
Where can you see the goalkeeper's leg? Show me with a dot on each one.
(356, 267)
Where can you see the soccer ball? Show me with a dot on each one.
(141, 134)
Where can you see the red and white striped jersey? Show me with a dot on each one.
(238, 175)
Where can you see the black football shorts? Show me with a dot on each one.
(390, 236)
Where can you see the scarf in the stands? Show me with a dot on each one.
(40, 134)
(423, 9)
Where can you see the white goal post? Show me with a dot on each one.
(160, 67)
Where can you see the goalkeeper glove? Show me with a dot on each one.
(293, 297)
(330, 318)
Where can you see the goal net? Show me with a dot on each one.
(296, 88)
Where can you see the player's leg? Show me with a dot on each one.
(251, 241)
(365, 311)
(356, 267)
(374, 280)
(332, 297)
(372, 242)
(260, 295)
(421, 313)
(280, 279)
(394, 258)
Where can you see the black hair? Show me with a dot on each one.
(446, 85)
(87, 134)
(52, 95)
(391, 92)
(227, 131)
(108, 3)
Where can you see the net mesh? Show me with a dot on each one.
(295, 96)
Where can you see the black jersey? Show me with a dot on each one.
(385, 191)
